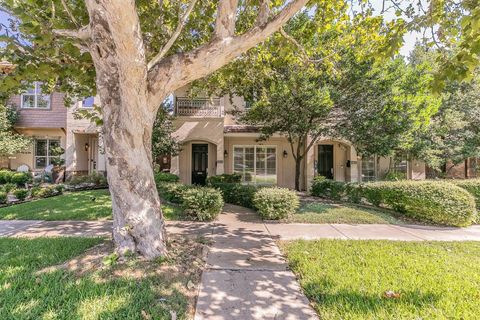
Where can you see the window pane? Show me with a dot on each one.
(40, 162)
(31, 90)
(40, 147)
(249, 164)
(28, 101)
(43, 101)
(52, 144)
(88, 102)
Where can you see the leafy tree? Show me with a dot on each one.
(10, 141)
(163, 143)
(133, 54)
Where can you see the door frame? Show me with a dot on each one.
(92, 156)
(192, 158)
(333, 157)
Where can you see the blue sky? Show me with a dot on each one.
(409, 39)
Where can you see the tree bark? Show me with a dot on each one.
(298, 166)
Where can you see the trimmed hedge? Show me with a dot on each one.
(472, 186)
(5, 176)
(20, 178)
(20, 194)
(236, 193)
(202, 203)
(165, 177)
(323, 187)
(172, 192)
(275, 203)
(224, 178)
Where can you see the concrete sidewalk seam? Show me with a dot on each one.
(408, 232)
(339, 231)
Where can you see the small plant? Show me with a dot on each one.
(20, 178)
(20, 194)
(45, 192)
(275, 203)
(328, 188)
(95, 179)
(224, 178)
(111, 259)
(5, 176)
(165, 177)
(7, 187)
(3, 197)
(202, 203)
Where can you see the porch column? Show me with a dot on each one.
(354, 165)
(220, 165)
(175, 165)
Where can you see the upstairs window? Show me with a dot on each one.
(34, 98)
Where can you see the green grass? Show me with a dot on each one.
(82, 205)
(317, 212)
(118, 292)
(348, 279)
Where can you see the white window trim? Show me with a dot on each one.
(47, 156)
(35, 95)
(87, 108)
(254, 146)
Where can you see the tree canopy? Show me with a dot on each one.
(10, 141)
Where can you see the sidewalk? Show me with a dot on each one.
(246, 276)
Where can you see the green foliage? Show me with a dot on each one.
(275, 203)
(437, 202)
(46, 191)
(20, 194)
(472, 186)
(165, 177)
(3, 197)
(20, 178)
(172, 192)
(322, 187)
(202, 203)
(224, 178)
(96, 179)
(6, 176)
(7, 187)
(10, 141)
(56, 154)
(163, 142)
(395, 176)
(236, 193)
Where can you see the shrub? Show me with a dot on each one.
(236, 193)
(354, 192)
(172, 192)
(395, 176)
(202, 203)
(438, 202)
(275, 203)
(20, 194)
(5, 176)
(96, 179)
(224, 178)
(472, 186)
(3, 197)
(165, 177)
(7, 187)
(45, 192)
(20, 178)
(332, 189)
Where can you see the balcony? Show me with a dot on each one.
(198, 107)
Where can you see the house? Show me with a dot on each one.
(214, 143)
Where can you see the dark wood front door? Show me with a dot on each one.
(199, 163)
(325, 160)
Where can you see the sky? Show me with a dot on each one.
(409, 39)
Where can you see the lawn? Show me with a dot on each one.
(130, 290)
(318, 212)
(388, 279)
(82, 205)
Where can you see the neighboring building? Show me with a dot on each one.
(214, 143)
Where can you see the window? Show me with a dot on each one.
(88, 102)
(34, 98)
(43, 152)
(368, 169)
(256, 164)
(401, 164)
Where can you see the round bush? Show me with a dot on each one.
(275, 203)
(165, 177)
(20, 178)
(5, 176)
(236, 193)
(439, 202)
(20, 194)
(7, 187)
(322, 187)
(172, 192)
(224, 178)
(472, 186)
(202, 203)
(3, 197)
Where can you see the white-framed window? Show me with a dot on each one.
(369, 165)
(256, 164)
(88, 102)
(43, 151)
(34, 98)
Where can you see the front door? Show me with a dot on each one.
(325, 160)
(199, 163)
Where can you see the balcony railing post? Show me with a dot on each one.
(198, 107)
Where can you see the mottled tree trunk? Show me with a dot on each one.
(298, 166)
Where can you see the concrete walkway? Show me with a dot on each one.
(246, 276)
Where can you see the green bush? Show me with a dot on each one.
(5, 176)
(224, 178)
(165, 177)
(171, 191)
(275, 203)
(3, 197)
(20, 194)
(354, 192)
(97, 179)
(20, 178)
(202, 203)
(395, 176)
(328, 188)
(236, 193)
(438, 202)
(472, 186)
(7, 187)
(45, 192)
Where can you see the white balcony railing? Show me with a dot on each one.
(198, 107)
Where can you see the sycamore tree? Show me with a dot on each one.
(133, 54)
(163, 143)
(10, 141)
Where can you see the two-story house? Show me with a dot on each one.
(214, 143)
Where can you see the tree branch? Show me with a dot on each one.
(226, 18)
(81, 34)
(69, 13)
(180, 69)
(263, 13)
(181, 23)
